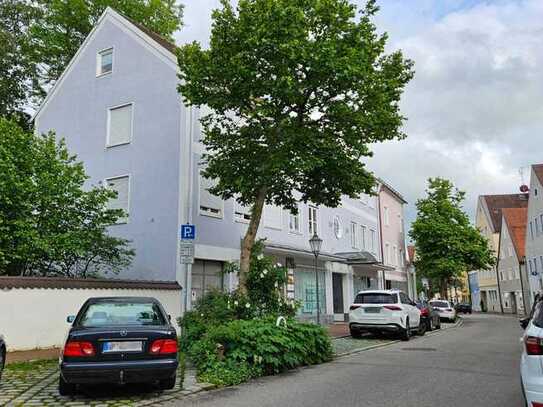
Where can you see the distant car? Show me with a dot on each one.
(380, 311)
(119, 340)
(2, 354)
(463, 308)
(531, 360)
(428, 315)
(444, 309)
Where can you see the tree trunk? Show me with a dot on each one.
(250, 237)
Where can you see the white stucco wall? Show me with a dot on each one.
(34, 318)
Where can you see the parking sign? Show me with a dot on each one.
(188, 232)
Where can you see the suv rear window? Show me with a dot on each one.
(376, 298)
(537, 317)
(440, 304)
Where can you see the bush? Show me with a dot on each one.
(256, 347)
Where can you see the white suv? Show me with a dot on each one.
(531, 361)
(380, 311)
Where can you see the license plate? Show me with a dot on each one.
(124, 346)
(372, 310)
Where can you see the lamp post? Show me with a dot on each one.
(316, 242)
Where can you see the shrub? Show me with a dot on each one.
(256, 347)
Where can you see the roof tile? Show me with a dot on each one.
(515, 219)
(495, 204)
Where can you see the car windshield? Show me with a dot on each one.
(122, 313)
(376, 298)
(440, 304)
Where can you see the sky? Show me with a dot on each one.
(474, 107)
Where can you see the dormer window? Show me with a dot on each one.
(104, 64)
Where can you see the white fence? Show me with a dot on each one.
(33, 310)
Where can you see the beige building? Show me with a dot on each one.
(512, 277)
(488, 220)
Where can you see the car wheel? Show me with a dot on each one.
(430, 325)
(422, 329)
(355, 333)
(406, 334)
(167, 384)
(65, 388)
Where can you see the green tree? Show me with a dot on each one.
(298, 89)
(50, 225)
(17, 71)
(38, 38)
(447, 245)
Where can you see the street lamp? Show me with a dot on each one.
(316, 242)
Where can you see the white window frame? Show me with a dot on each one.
(387, 253)
(373, 236)
(99, 73)
(299, 230)
(313, 220)
(245, 216)
(338, 232)
(355, 242)
(363, 230)
(126, 219)
(202, 212)
(108, 144)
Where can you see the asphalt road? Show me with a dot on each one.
(475, 365)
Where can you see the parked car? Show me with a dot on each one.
(531, 360)
(3, 353)
(444, 309)
(428, 315)
(119, 340)
(463, 307)
(380, 311)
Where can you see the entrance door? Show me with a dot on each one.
(513, 300)
(337, 293)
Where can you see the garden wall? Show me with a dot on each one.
(33, 310)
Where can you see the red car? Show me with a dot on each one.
(428, 315)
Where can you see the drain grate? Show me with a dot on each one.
(421, 349)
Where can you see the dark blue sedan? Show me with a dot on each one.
(119, 340)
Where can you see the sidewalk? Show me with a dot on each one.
(338, 329)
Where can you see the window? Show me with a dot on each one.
(536, 224)
(376, 298)
(122, 313)
(535, 266)
(387, 253)
(337, 227)
(394, 255)
(363, 237)
(242, 213)
(372, 233)
(272, 217)
(541, 261)
(119, 130)
(531, 230)
(354, 236)
(510, 251)
(104, 63)
(501, 275)
(121, 185)
(402, 258)
(530, 266)
(312, 220)
(294, 223)
(385, 216)
(210, 205)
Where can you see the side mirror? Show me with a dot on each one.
(70, 319)
(169, 318)
(524, 322)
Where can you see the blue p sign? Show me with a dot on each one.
(188, 231)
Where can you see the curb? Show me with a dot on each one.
(458, 323)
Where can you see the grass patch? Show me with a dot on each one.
(33, 365)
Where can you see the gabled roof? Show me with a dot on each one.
(398, 196)
(538, 169)
(495, 204)
(515, 220)
(153, 41)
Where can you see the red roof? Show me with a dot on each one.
(495, 204)
(538, 169)
(515, 219)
